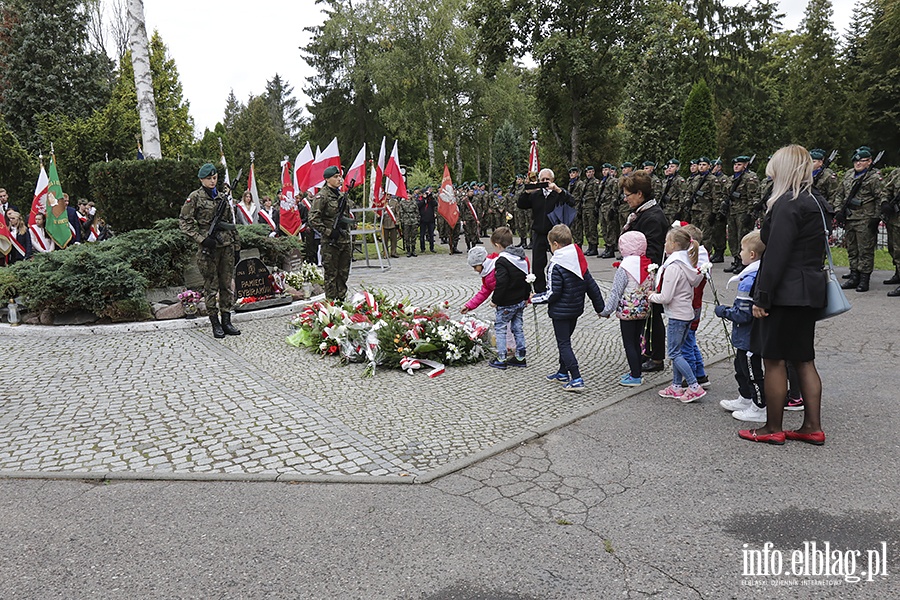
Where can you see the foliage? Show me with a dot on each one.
(881, 80)
(9, 285)
(46, 65)
(133, 194)
(160, 254)
(273, 251)
(18, 168)
(698, 126)
(510, 152)
(284, 108)
(254, 131)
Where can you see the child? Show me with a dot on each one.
(750, 404)
(690, 350)
(568, 279)
(631, 288)
(676, 281)
(511, 292)
(483, 263)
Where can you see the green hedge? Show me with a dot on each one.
(272, 250)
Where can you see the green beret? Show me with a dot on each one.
(330, 172)
(695, 161)
(574, 169)
(627, 164)
(673, 161)
(648, 163)
(817, 154)
(520, 177)
(866, 148)
(740, 159)
(608, 166)
(861, 153)
(207, 170)
(718, 161)
(703, 159)
(590, 168)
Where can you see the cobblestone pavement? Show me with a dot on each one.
(178, 403)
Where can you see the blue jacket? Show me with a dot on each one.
(565, 293)
(741, 313)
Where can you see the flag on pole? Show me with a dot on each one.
(395, 185)
(356, 174)
(534, 163)
(224, 164)
(378, 179)
(290, 221)
(302, 165)
(329, 157)
(8, 241)
(382, 204)
(39, 204)
(57, 224)
(447, 206)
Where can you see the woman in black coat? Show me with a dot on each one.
(788, 294)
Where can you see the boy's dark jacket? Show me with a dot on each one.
(565, 293)
(511, 285)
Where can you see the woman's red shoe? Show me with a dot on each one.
(816, 438)
(766, 438)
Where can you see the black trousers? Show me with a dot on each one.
(539, 249)
(631, 339)
(426, 232)
(657, 339)
(748, 372)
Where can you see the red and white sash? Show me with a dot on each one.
(40, 241)
(268, 219)
(474, 214)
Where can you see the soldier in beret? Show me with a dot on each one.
(215, 257)
(824, 179)
(609, 220)
(589, 207)
(576, 189)
(336, 247)
(859, 199)
(672, 191)
(742, 194)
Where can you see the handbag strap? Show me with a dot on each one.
(825, 226)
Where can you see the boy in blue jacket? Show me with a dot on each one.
(751, 402)
(568, 279)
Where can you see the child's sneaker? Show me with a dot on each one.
(628, 381)
(794, 404)
(576, 385)
(690, 395)
(671, 392)
(497, 363)
(704, 382)
(754, 414)
(515, 361)
(560, 377)
(740, 403)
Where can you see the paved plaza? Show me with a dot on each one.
(525, 492)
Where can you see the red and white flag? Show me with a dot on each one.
(329, 157)
(356, 174)
(447, 206)
(289, 217)
(383, 204)
(302, 165)
(378, 179)
(8, 241)
(39, 204)
(534, 163)
(250, 214)
(395, 185)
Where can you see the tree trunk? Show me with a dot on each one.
(576, 135)
(490, 179)
(459, 162)
(143, 80)
(430, 133)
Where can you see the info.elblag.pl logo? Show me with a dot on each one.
(816, 562)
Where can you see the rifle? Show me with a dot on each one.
(830, 159)
(733, 193)
(339, 219)
(224, 202)
(690, 203)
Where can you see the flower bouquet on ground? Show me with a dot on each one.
(190, 301)
(370, 329)
(304, 279)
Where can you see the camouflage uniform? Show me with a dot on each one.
(890, 211)
(389, 228)
(609, 219)
(589, 205)
(860, 217)
(576, 188)
(703, 199)
(469, 219)
(765, 193)
(826, 182)
(409, 224)
(216, 265)
(672, 196)
(743, 191)
(336, 255)
(523, 217)
(719, 238)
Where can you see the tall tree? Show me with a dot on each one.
(254, 131)
(47, 65)
(698, 124)
(285, 108)
(143, 79)
(856, 85)
(881, 76)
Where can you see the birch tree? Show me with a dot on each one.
(143, 79)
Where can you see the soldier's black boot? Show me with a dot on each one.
(592, 250)
(227, 327)
(893, 280)
(218, 332)
(527, 245)
(847, 275)
(717, 257)
(730, 268)
(608, 252)
(863, 282)
(521, 242)
(894, 293)
(852, 281)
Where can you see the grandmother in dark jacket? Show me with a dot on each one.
(789, 293)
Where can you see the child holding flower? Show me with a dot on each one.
(510, 296)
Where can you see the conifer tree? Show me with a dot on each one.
(698, 124)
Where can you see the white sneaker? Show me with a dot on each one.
(740, 403)
(754, 414)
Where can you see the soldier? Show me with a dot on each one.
(335, 224)
(427, 205)
(470, 217)
(576, 189)
(672, 191)
(609, 219)
(390, 227)
(649, 166)
(890, 212)
(589, 207)
(824, 179)
(703, 200)
(215, 258)
(409, 224)
(684, 210)
(859, 199)
(622, 207)
(523, 216)
(738, 207)
(718, 237)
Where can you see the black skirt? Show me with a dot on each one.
(788, 333)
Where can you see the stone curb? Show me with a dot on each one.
(149, 326)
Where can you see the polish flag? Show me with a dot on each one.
(39, 204)
(383, 204)
(395, 185)
(534, 163)
(8, 241)
(329, 157)
(378, 179)
(447, 206)
(302, 165)
(356, 174)
(289, 221)
(251, 186)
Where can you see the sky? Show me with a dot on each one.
(256, 40)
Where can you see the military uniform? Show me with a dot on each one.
(390, 228)
(742, 193)
(216, 264)
(826, 182)
(609, 219)
(672, 195)
(523, 217)
(719, 238)
(622, 208)
(589, 206)
(409, 224)
(890, 212)
(704, 197)
(469, 215)
(576, 189)
(337, 250)
(858, 204)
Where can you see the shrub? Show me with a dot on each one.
(159, 254)
(272, 250)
